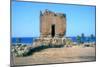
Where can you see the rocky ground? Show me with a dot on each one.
(58, 55)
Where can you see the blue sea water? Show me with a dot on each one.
(30, 40)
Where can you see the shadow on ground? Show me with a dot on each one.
(40, 48)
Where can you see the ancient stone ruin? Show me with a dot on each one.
(52, 24)
(52, 29)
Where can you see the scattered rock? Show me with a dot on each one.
(21, 50)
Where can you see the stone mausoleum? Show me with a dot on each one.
(52, 24)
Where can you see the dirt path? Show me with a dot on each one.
(58, 55)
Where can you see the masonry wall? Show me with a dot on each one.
(47, 19)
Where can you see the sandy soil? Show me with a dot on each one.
(58, 55)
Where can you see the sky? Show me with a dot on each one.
(26, 20)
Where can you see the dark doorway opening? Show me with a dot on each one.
(53, 30)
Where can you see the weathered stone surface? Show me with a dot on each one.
(50, 42)
(47, 19)
(52, 29)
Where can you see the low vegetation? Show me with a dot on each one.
(21, 50)
(69, 42)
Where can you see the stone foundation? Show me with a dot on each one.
(49, 42)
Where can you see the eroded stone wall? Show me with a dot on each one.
(47, 19)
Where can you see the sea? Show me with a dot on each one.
(30, 40)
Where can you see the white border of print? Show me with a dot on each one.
(5, 34)
(86, 2)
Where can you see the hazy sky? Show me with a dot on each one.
(26, 21)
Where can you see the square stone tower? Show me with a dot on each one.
(52, 24)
